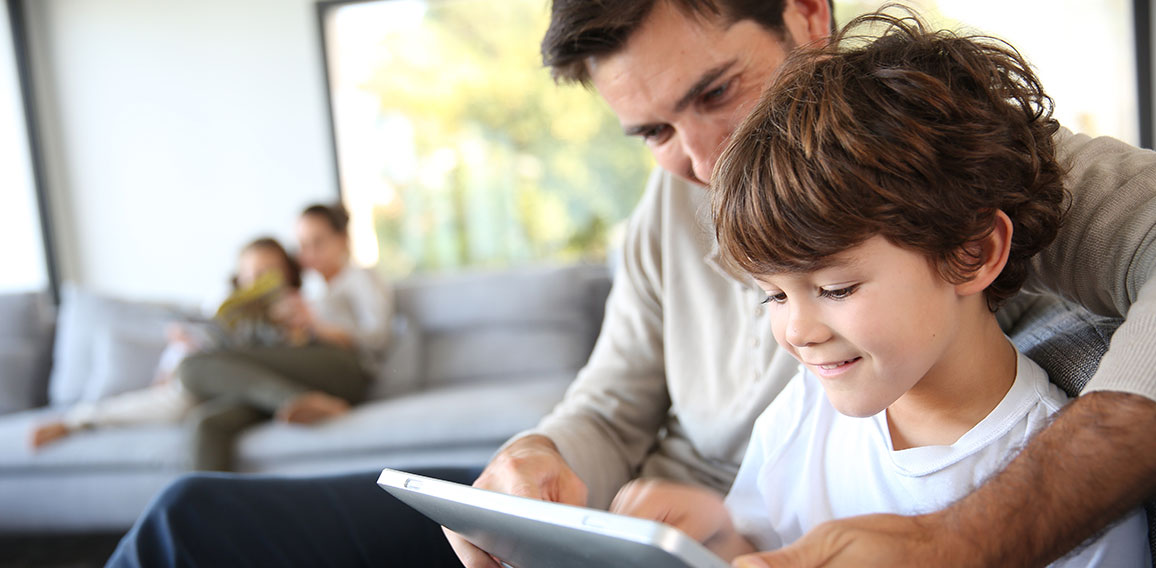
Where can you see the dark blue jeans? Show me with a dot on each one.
(220, 519)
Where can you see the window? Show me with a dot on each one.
(1084, 52)
(454, 146)
(23, 260)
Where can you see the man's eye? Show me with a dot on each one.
(776, 298)
(840, 293)
(716, 93)
(653, 133)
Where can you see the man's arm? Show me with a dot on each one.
(610, 417)
(596, 438)
(1093, 464)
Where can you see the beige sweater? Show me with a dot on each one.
(686, 360)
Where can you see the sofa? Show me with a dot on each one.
(475, 358)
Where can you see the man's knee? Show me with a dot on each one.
(186, 492)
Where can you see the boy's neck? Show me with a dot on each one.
(960, 391)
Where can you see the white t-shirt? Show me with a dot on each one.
(807, 463)
(361, 304)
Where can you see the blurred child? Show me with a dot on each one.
(888, 196)
(266, 274)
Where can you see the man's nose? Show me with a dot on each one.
(702, 150)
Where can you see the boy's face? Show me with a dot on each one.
(870, 327)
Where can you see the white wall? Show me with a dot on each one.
(175, 131)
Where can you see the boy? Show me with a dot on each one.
(888, 197)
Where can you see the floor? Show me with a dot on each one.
(66, 551)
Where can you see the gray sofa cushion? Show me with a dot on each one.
(26, 326)
(138, 447)
(504, 325)
(401, 373)
(484, 415)
(23, 375)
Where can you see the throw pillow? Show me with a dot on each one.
(122, 362)
(84, 315)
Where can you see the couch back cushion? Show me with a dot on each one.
(105, 345)
(1065, 339)
(508, 325)
(26, 327)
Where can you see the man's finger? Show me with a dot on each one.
(470, 555)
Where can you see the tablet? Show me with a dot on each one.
(527, 533)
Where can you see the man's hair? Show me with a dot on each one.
(580, 29)
(917, 136)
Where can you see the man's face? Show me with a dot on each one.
(683, 83)
(873, 325)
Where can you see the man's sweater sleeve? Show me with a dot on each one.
(610, 417)
(1105, 253)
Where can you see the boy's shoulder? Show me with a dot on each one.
(1046, 393)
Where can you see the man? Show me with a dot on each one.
(685, 361)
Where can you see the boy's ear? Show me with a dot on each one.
(993, 251)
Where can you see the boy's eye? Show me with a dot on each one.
(776, 298)
(840, 293)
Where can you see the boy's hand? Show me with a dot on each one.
(696, 511)
(530, 467)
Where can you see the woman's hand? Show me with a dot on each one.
(291, 311)
(696, 511)
(294, 314)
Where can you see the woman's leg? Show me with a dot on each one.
(237, 520)
(213, 428)
(268, 378)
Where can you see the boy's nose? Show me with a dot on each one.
(805, 329)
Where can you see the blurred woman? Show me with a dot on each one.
(266, 275)
(346, 330)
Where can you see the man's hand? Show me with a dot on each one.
(531, 467)
(867, 541)
(696, 511)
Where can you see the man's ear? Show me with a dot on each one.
(807, 20)
(993, 251)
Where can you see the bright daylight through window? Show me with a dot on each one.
(23, 263)
(456, 149)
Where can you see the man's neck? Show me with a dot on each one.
(959, 392)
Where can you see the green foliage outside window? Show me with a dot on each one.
(501, 165)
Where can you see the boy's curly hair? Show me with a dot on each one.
(914, 135)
